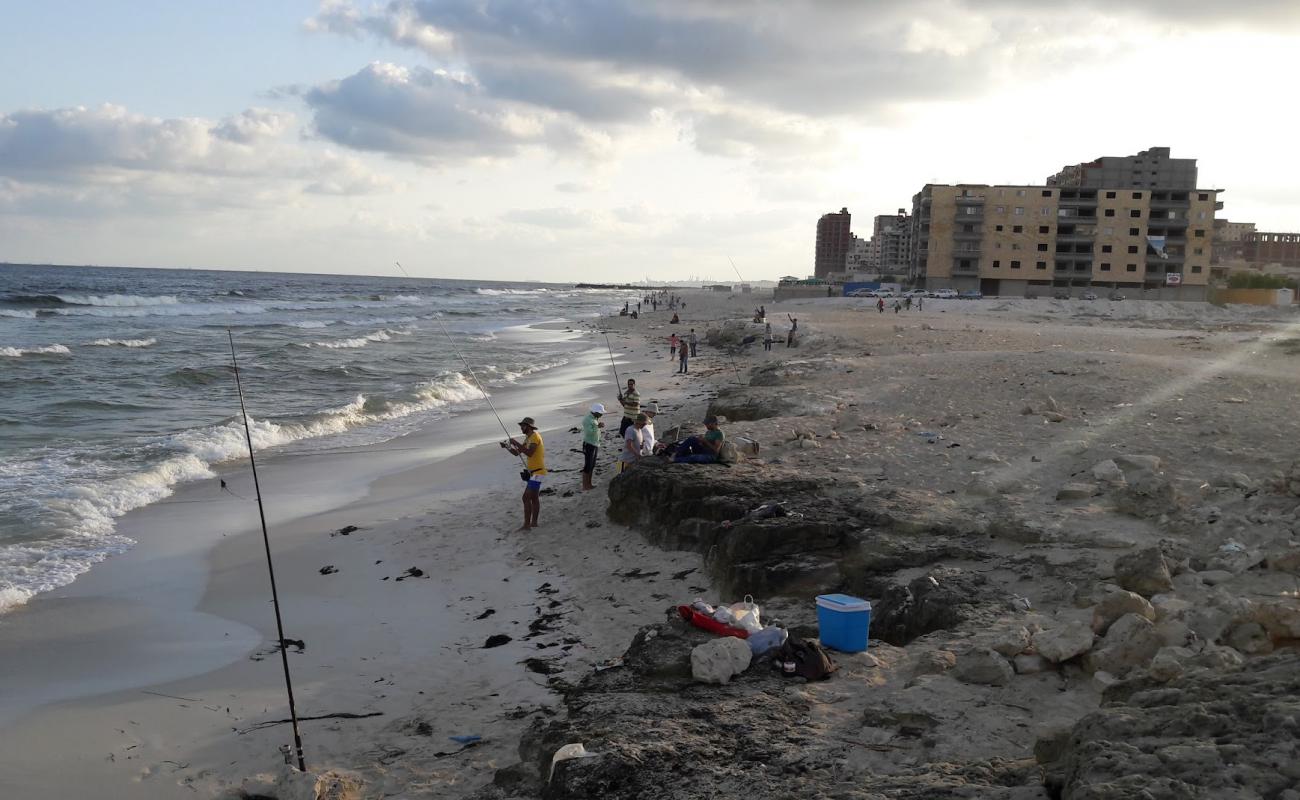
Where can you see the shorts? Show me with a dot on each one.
(534, 483)
(589, 457)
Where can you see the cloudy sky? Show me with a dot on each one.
(597, 139)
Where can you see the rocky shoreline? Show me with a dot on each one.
(1069, 602)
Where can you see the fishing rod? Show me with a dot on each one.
(477, 383)
(730, 354)
(270, 567)
(618, 385)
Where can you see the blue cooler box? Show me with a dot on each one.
(843, 622)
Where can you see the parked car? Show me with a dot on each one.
(1089, 295)
(1061, 294)
(862, 293)
(1115, 296)
(916, 293)
(971, 295)
(946, 294)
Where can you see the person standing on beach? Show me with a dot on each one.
(672, 345)
(591, 426)
(534, 453)
(632, 443)
(767, 339)
(631, 402)
(683, 352)
(920, 304)
(648, 440)
(880, 304)
(794, 324)
(694, 340)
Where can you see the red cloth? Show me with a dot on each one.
(707, 623)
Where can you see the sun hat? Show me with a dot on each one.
(598, 408)
(650, 408)
(528, 421)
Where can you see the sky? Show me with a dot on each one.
(598, 140)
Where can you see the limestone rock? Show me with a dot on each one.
(983, 666)
(1144, 572)
(1281, 618)
(1117, 604)
(1030, 664)
(1287, 561)
(1136, 463)
(1167, 663)
(935, 662)
(1011, 642)
(1063, 642)
(1108, 473)
(1130, 642)
(1147, 495)
(1169, 606)
(1250, 638)
(1076, 491)
(1214, 577)
(719, 660)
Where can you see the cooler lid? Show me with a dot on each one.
(843, 602)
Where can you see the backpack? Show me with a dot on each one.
(804, 658)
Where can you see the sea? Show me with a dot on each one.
(116, 384)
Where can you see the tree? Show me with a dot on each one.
(1257, 280)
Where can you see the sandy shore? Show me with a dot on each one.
(920, 437)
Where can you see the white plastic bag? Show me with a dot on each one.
(746, 614)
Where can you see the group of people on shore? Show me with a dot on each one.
(637, 438)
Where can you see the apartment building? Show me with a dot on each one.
(834, 238)
(1153, 168)
(891, 240)
(1040, 240)
(1265, 248)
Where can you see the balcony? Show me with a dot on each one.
(967, 236)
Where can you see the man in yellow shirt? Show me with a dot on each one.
(534, 453)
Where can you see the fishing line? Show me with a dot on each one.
(479, 384)
(270, 567)
(618, 385)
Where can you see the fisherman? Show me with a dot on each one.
(534, 453)
(702, 449)
(632, 443)
(794, 324)
(591, 426)
(631, 402)
(694, 340)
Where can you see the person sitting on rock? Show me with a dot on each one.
(702, 449)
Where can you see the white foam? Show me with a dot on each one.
(123, 342)
(53, 349)
(118, 300)
(382, 335)
(17, 313)
(309, 324)
(498, 292)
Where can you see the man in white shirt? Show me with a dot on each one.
(648, 440)
(632, 443)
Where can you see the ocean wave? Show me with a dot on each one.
(17, 313)
(123, 343)
(383, 335)
(52, 350)
(498, 292)
(199, 376)
(309, 324)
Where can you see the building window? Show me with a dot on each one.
(1047, 193)
(1108, 231)
(1203, 196)
(998, 228)
(1039, 265)
(1015, 245)
(1020, 193)
(997, 264)
(1020, 211)
(1135, 213)
(1017, 228)
(1110, 195)
(969, 211)
(1131, 268)
(1000, 209)
(1196, 268)
(1137, 195)
(1045, 211)
(1015, 265)
(1132, 248)
(1198, 251)
(1134, 232)
(1199, 233)
(968, 228)
(1044, 229)
(1105, 248)
(1042, 247)
(1110, 212)
(1105, 266)
(997, 245)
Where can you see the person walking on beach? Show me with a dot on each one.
(591, 426)
(694, 340)
(898, 306)
(683, 352)
(631, 402)
(534, 453)
(908, 302)
(880, 304)
(632, 443)
(672, 345)
(920, 304)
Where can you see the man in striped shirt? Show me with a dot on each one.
(631, 402)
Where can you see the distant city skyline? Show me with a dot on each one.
(577, 140)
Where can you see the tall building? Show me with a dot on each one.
(1229, 238)
(1266, 248)
(833, 240)
(1150, 169)
(1039, 240)
(891, 238)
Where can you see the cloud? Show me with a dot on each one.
(556, 218)
(434, 115)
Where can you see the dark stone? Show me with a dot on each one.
(496, 640)
(943, 599)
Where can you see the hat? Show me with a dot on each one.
(650, 408)
(642, 418)
(710, 420)
(598, 408)
(528, 421)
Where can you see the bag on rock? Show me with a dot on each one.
(746, 613)
(804, 658)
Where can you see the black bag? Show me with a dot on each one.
(804, 658)
(524, 474)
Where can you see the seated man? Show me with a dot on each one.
(702, 449)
